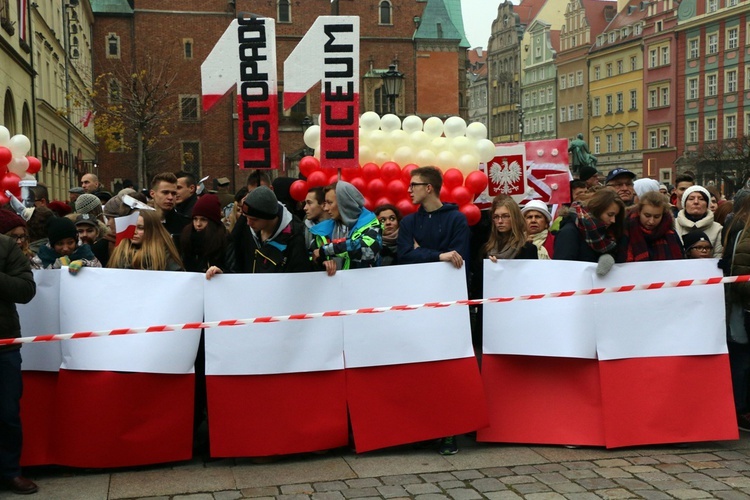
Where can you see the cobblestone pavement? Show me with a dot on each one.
(496, 472)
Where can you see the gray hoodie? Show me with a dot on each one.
(350, 202)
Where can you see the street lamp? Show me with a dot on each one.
(520, 122)
(306, 124)
(393, 79)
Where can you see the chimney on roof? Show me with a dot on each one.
(609, 12)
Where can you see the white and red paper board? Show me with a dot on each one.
(329, 54)
(646, 358)
(245, 58)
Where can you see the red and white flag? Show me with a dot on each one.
(125, 227)
(22, 18)
(86, 119)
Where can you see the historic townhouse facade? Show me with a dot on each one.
(476, 86)
(538, 75)
(660, 84)
(584, 21)
(615, 82)
(713, 71)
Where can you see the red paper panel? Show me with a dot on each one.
(544, 400)
(667, 400)
(38, 417)
(398, 404)
(108, 419)
(260, 415)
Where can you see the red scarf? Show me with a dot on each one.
(661, 243)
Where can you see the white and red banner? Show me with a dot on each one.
(245, 57)
(605, 369)
(329, 54)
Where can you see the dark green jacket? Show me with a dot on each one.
(16, 287)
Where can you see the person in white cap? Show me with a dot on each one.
(538, 218)
(695, 216)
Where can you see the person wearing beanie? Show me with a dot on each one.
(352, 238)
(538, 218)
(643, 186)
(89, 204)
(589, 175)
(276, 239)
(61, 209)
(697, 245)
(63, 248)
(695, 216)
(205, 244)
(13, 225)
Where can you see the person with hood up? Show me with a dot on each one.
(695, 216)
(352, 237)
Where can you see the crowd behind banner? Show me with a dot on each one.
(260, 229)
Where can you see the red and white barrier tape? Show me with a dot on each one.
(374, 310)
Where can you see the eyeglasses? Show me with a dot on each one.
(618, 185)
(501, 217)
(411, 186)
(702, 249)
(19, 237)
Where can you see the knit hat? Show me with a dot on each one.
(59, 228)
(61, 209)
(261, 203)
(693, 237)
(208, 206)
(539, 206)
(693, 189)
(643, 186)
(86, 219)
(87, 203)
(586, 172)
(9, 221)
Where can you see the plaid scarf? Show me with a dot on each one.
(594, 232)
(661, 243)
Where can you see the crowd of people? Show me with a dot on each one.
(261, 229)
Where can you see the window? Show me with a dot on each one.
(732, 3)
(533, 126)
(712, 43)
(730, 81)
(633, 141)
(712, 86)
(542, 121)
(665, 55)
(533, 98)
(597, 145)
(542, 96)
(664, 133)
(692, 131)
(526, 100)
(613, 37)
(694, 48)
(597, 72)
(563, 82)
(638, 29)
(191, 157)
(664, 91)
(652, 98)
(549, 95)
(550, 123)
(284, 11)
(733, 38)
(609, 143)
(652, 139)
(730, 126)
(659, 26)
(609, 104)
(579, 78)
(692, 88)
(619, 102)
(710, 129)
(187, 48)
(652, 58)
(595, 107)
(633, 63)
(113, 46)
(385, 12)
(188, 108)
(571, 112)
(619, 141)
(571, 80)
(114, 91)
(712, 5)
(579, 111)
(633, 100)
(619, 67)
(563, 114)
(747, 124)
(609, 70)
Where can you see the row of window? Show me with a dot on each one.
(710, 128)
(731, 41)
(711, 84)
(569, 82)
(617, 69)
(618, 145)
(571, 112)
(541, 124)
(622, 33)
(614, 103)
(542, 96)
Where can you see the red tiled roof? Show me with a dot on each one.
(633, 12)
(554, 38)
(595, 14)
(527, 10)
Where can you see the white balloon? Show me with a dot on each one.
(419, 140)
(403, 156)
(485, 150)
(467, 163)
(28, 177)
(4, 136)
(398, 138)
(19, 165)
(433, 126)
(19, 145)
(455, 126)
(369, 121)
(389, 123)
(462, 145)
(412, 123)
(445, 159)
(425, 158)
(316, 154)
(377, 139)
(312, 137)
(382, 157)
(365, 154)
(476, 131)
(364, 137)
(439, 144)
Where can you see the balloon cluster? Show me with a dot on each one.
(14, 164)
(390, 149)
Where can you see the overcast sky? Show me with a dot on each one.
(478, 16)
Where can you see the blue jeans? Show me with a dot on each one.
(11, 387)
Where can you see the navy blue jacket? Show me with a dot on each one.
(436, 232)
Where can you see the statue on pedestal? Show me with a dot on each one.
(580, 154)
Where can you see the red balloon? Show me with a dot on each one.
(383, 201)
(308, 165)
(350, 173)
(472, 213)
(452, 178)
(298, 190)
(476, 182)
(396, 189)
(375, 188)
(34, 165)
(369, 205)
(330, 172)
(461, 196)
(4, 199)
(5, 156)
(333, 178)
(359, 183)
(317, 179)
(406, 207)
(446, 196)
(406, 172)
(370, 171)
(9, 182)
(390, 171)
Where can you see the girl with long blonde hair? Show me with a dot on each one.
(151, 247)
(508, 238)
